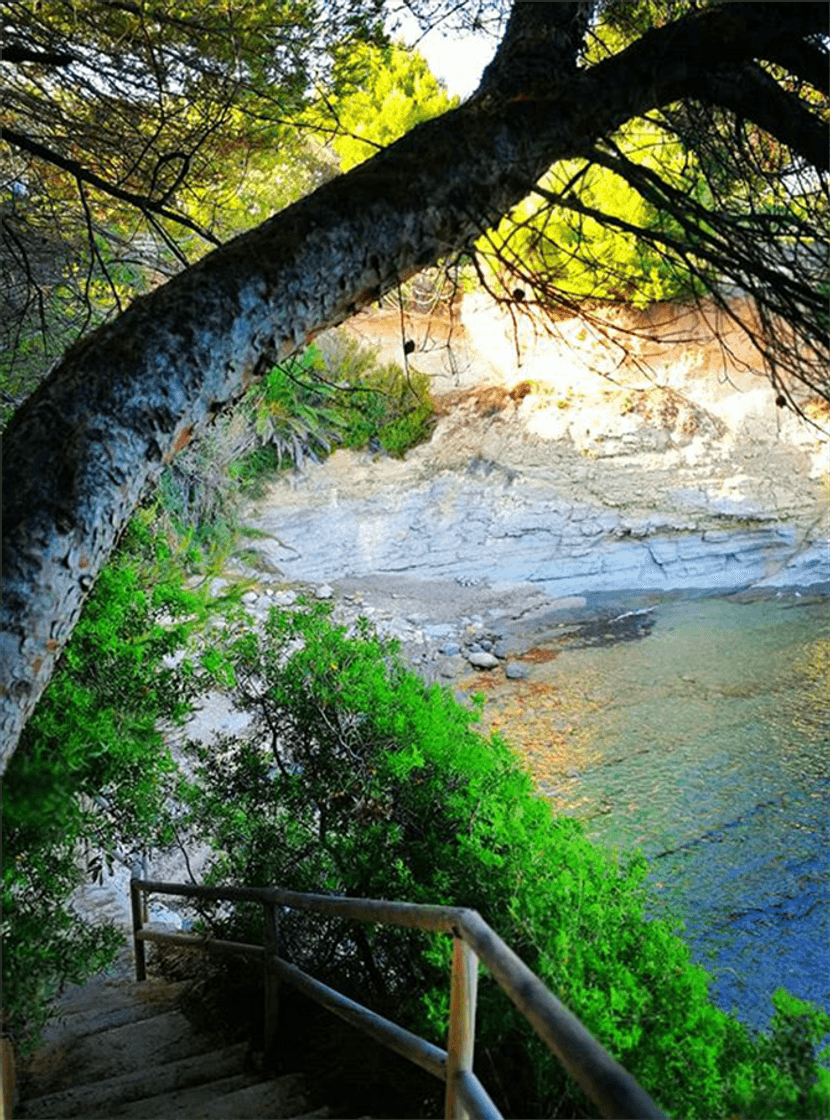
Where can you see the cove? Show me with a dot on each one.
(705, 742)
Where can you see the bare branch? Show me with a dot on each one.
(16, 53)
(82, 174)
(754, 95)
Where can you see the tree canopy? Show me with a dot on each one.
(124, 101)
(130, 131)
(397, 92)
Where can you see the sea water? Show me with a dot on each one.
(706, 743)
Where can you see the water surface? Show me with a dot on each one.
(705, 743)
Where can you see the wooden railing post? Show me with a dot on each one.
(138, 906)
(271, 981)
(9, 1072)
(461, 1041)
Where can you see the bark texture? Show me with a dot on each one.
(81, 450)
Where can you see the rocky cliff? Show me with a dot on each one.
(648, 454)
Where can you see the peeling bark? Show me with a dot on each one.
(79, 453)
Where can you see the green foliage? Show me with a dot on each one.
(293, 409)
(204, 115)
(362, 780)
(412, 428)
(89, 775)
(198, 499)
(382, 404)
(586, 258)
(247, 184)
(311, 404)
(788, 1074)
(303, 409)
(395, 90)
(254, 468)
(79, 279)
(34, 332)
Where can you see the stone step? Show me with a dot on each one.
(282, 1097)
(121, 1049)
(218, 1100)
(183, 1102)
(99, 990)
(101, 1098)
(144, 1045)
(111, 1007)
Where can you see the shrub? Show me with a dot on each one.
(293, 409)
(89, 774)
(313, 403)
(302, 410)
(382, 404)
(197, 495)
(362, 780)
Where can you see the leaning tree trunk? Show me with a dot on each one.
(124, 401)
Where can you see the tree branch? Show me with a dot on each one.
(729, 245)
(17, 52)
(752, 94)
(803, 60)
(128, 398)
(672, 61)
(83, 175)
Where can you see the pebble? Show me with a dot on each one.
(439, 630)
(450, 667)
(483, 660)
(324, 591)
(514, 671)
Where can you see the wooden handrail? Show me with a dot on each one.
(439, 919)
(611, 1087)
(8, 1075)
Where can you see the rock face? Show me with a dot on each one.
(680, 474)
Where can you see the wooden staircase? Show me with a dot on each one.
(124, 1048)
(119, 1048)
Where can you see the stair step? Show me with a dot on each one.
(102, 992)
(279, 1099)
(111, 1008)
(120, 1049)
(102, 1098)
(282, 1097)
(183, 1102)
(143, 1045)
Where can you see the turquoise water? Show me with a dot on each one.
(707, 743)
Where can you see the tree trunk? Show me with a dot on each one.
(79, 453)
